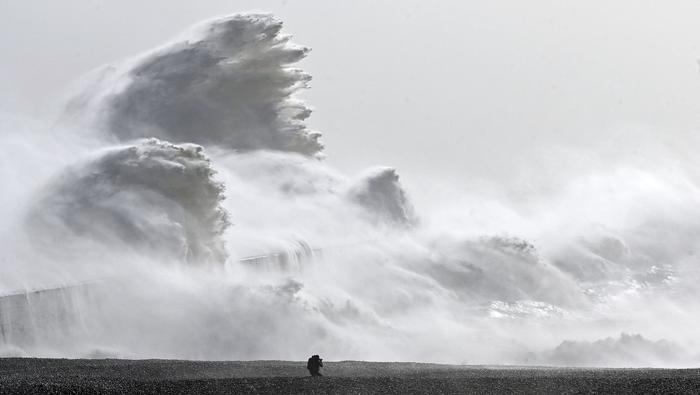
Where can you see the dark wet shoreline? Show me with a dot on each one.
(112, 376)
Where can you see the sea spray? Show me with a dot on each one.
(152, 196)
(344, 266)
(227, 82)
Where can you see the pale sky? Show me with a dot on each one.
(455, 89)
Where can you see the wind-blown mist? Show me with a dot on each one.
(183, 209)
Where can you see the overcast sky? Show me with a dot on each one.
(458, 89)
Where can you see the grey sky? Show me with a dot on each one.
(451, 88)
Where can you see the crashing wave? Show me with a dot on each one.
(381, 194)
(498, 268)
(151, 196)
(331, 267)
(228, 82)
(626, 351)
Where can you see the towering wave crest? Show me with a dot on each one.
(228, 82)
(152, 196)
(317, 260)
(380, 192)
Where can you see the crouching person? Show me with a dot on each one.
(314, 365)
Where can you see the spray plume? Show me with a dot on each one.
(206, 128)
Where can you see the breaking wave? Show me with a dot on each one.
(380, 192)
(150, 196)
(227, 82)
(106, 251)
(624, 351)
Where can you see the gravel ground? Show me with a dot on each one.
(110, 376)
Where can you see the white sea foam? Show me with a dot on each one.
(227, 82)
(157, 155)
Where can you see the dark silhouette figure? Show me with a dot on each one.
(314, 365)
